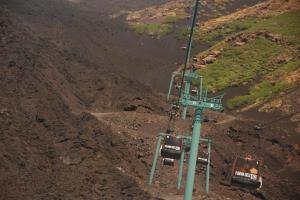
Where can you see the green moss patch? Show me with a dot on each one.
(256, 61)
(238, 64)
(153, 29)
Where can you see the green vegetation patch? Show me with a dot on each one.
(258, 60)
(225, 30)
(238, 64)
(158, 29)
(153, 29)
(276, 82)
(258, 93)
(287, 24)
(212, 36)
(171, 19)
(183, 33)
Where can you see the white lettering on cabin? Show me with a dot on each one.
(177, 148)
(248, 175)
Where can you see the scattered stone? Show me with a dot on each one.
(205, 119)
(171, 14)
(140, 155)
(209, 59)
(12, 64)
(195, 59)
(130, 107)
(216, 53)
(50, 153)
(270, 106)
(4, 112)
(239, 43)
(120, 169)
(283, 58)
(273, 37)
(296, 146)
(197, 66)
(72, 159)
(39, 118)
(295, 118)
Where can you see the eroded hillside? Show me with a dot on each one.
(51, 148)
(72, 128)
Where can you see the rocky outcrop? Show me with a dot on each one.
(265, 8)
(200, 62)
(240, 39)
(243, 38)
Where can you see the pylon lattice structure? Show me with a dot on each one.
(199, 101)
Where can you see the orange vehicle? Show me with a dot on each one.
(246, 173)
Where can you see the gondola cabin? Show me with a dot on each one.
(183, 47)
(168, 161)
(177, 86)
(171, 147)
(246, 173)
(202, 157)
(194, 91)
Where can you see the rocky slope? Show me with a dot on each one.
(50, 147)
(232, 136)
(65, 129)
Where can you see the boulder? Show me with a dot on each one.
(195, 59)
(216, 53)
(273, 37)
(239, 43)
(209, 59)
(197, 66)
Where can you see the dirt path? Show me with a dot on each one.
(145, 127)
(50, 153)
(108, 43)
(229, 118)
(100, 116)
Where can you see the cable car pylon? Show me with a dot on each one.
(199, 101)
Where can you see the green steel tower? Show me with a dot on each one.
(199, 103)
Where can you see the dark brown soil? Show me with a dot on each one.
(55, 72)
(232, 136)
(47, 149)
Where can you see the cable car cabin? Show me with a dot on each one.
(177, 86)
(187, 148)
(246, 173)
(194, 91)
(168, 161)
(171, 147)
(175, 107)
(183, 47)
(202, 158)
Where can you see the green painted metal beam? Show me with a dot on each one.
(202, 104)
(189, 138)
(188, 78)
(180, 169)
(193, 155)
(208, 168)
(186, 95)
(171, 86)
(155, 157)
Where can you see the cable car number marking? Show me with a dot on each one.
(248, 175)
(172, 147)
